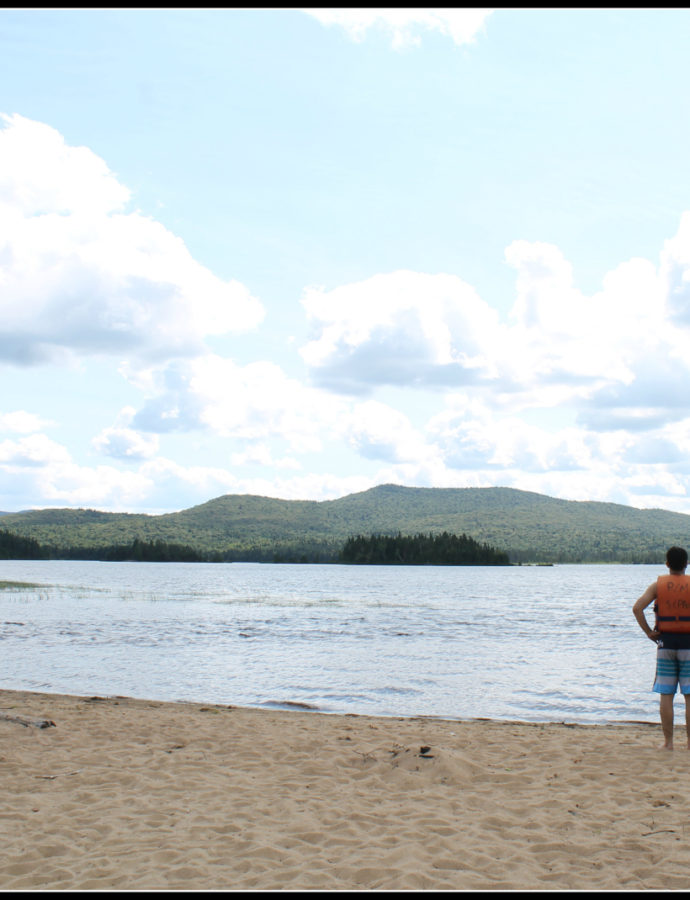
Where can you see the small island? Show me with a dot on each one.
(421, 549)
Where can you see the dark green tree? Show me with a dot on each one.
(420, 549)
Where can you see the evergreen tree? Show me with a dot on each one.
(420, 549)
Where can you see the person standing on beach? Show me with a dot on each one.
(671, 633)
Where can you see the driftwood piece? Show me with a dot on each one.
(28, 722)
(51, 777)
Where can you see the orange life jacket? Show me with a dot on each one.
(673, 603)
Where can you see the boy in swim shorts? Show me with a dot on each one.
(671, 633)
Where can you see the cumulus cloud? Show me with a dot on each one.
(81, 275)
(22, 422)
(258, 408)
(247, 403)
(125, 443)
(607, 364)
(618, 353)
(655, 395)
(196, 484)
(471, 435)
(106, 487)
(34, 450)
(40, 173)
(260, 454)
(403, 328)
(478, 444)
(36, 466)
(377, 431)
(675, 273)
(45, 470)
(173, 404)
(558, 334)
(405, 24)
(659, 450)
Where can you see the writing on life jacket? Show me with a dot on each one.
(673, 603)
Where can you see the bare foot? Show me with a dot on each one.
(669, 747)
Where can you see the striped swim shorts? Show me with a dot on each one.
(672, 669)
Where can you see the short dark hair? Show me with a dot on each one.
(676, 558)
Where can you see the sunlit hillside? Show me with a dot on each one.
(530, 527)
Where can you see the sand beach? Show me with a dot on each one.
(129, 794)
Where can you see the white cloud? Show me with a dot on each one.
(313, 486)
(620, 352)
(34, 450)
(675, 271)
(667, 445)
(563, 335)
(403, 328)
(103, 487)
(22, 422)
(247, 403)
(78, 275)
(37, 466)
(196, 484)
(405, 24)
(377, 431)
(40, 173)
(464, 446)
(126, 443)
(261, 455)
(474, 436)
(254, 405)
(607, 364)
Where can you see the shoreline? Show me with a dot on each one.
(133, 794)
(288, 706)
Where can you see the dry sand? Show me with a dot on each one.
(140, 795)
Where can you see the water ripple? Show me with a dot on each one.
(534, 643)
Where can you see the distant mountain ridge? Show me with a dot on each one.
(530, 527)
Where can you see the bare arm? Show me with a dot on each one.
(638, 609)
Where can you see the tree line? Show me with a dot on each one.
(443, 549)
(14, 546)
(376, 549)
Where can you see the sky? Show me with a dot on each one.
(302, 252)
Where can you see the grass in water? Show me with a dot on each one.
(18, 585)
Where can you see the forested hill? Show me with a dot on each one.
(530, 527)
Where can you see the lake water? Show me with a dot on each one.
(532, 643)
